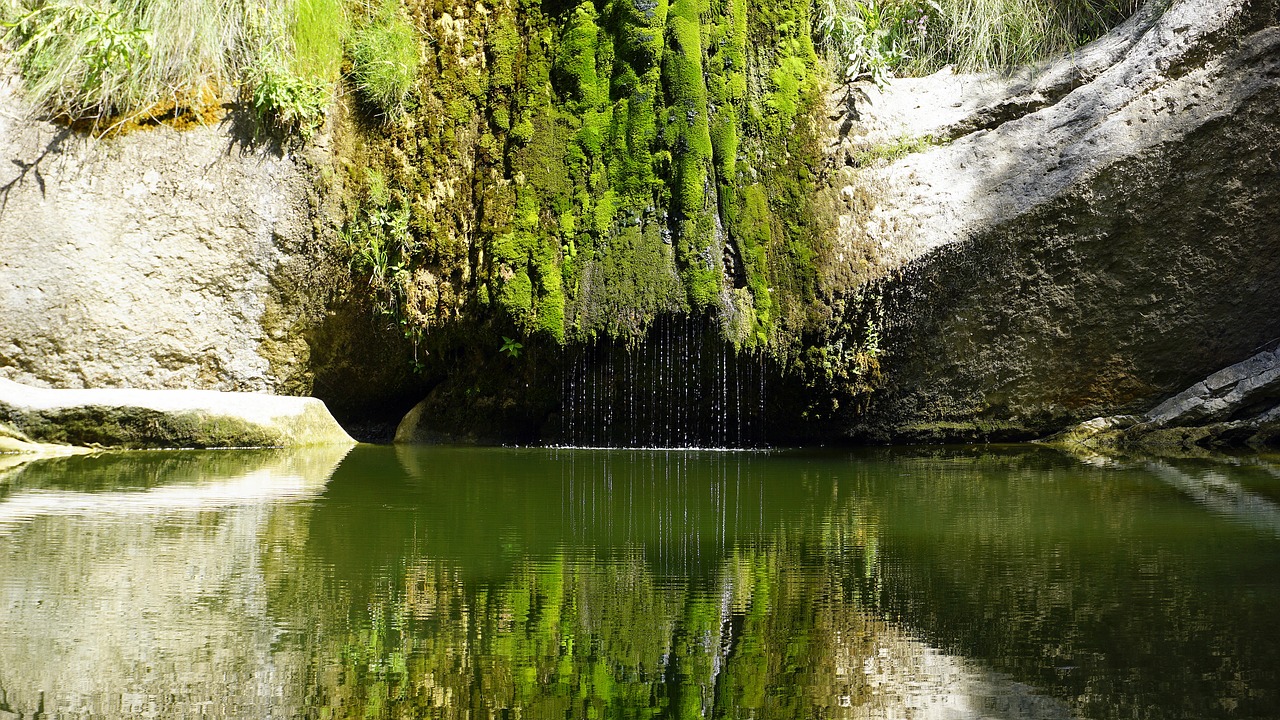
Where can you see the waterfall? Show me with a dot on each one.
(682, 386)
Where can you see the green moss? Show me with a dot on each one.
(502, 45)
(584, 168)
(754, 232)
(606, 210)
(689, 140)
(576, 57)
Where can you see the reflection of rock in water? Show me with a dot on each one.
(909, 679)
(1212, 489)
(153, 603)
(167, 482)
(580, 637)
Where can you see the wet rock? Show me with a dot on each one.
(164, 418)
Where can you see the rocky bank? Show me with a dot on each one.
(120, 418)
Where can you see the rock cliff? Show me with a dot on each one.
(1087, 239)
(1082, 239)
(200, 258)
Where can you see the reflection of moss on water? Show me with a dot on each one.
(576, 170)
(577, 637)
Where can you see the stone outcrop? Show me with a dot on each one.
(1226, 394)
(146, 260)
(164, 418)
(1087, 239)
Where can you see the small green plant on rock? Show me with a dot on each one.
(384, 59)
(377, 237)
(893, 150)
(511, 347)
(287, 102)
(871, 39)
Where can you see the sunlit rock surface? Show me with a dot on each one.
(165, 418)
(165, 259)
(146, 260)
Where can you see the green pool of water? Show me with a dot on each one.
(542, 583)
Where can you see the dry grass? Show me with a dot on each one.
(993, 34)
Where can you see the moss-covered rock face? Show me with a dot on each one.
(576, 170)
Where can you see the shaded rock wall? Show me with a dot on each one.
(1235, 406)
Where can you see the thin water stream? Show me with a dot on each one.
(682, 386)
(542, 583)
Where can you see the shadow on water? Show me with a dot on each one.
(464, 582)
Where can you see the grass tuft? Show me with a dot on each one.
(384, 59)
(110, 62)
(875, 38)
(318, 29)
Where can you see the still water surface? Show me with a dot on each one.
(538, 583)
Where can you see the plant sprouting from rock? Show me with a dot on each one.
(511, 347)
(376, 238)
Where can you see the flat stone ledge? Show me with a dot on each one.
(124, 418)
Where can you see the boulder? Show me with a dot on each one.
(122, 418)
(1224, 395)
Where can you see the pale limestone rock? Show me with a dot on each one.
(165, 418)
